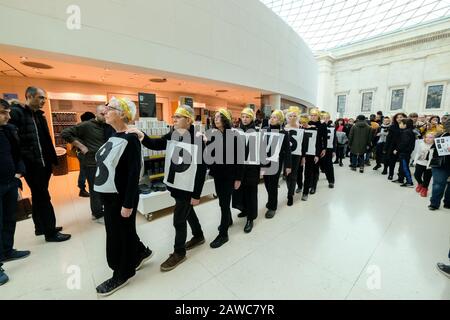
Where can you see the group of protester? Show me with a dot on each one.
(294, 145)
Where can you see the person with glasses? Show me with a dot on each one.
(186, 193)
(38, 154)
(119, 169)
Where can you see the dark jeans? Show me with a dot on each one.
(423, 175)
(224, 190)
(326, 164)
(291, 179)
(271, 184)
(44, 218)
(441, 188)
(380, 156)
(82, 178)
(340, 152)
(95, 198)
(8, 206)
(393, 158)
(184, 212)
(405, 171)
(357, 160)
(300, 176)
(123, 246)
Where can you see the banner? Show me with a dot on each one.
(330, 140)
(252, 142)
(309, 142)
(296, 141)
(181, 165)
(273, 143)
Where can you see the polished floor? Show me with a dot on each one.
(366, 239)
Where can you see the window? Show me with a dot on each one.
(434, 96)
(397, 99)
(341, 100)
(367, 99)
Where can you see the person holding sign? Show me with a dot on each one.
(246, 197)
(119, 164)
(276, 137)
(184, 176)
(227, 176)
(326, 162)
(295, 139)
(440, 166)
(317, 132)
(303, 124)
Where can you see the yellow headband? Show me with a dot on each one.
(125, 108)
(294, 109)
(249, 112)
(279, 114)
(184, 113)
(225, 113)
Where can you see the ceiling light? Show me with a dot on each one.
(36, 65)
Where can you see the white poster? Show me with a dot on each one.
(295, 140)
(181, 165)
(311, 136)
(108, 157)
(273, 143)
(330, 142)
(442, 146)
(252, 141)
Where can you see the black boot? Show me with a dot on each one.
(248, 226)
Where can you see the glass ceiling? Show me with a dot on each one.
(325, 24)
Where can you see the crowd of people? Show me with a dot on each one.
(299, 147)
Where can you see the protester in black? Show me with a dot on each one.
(392, 141)
(291, 127)
(321, 146)
(326, 162)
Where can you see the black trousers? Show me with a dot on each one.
(94, 197)
(224, 191)
(123, 246)
(38, 179)
(271, 184)
(393, 159)
(326, 165)
(300, 176)
(184, 213)
(423, 175)
(340, 152)
(291, 180)
(246, 200)
(311, 174)
(380, 156)
(8, 206)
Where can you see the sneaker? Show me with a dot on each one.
(173, 261)
(390, 178)
(270, 214)
(313, 190)
(194, 242)
(398, 181)
(419, 188)
(290, 201)
(248, 226)
(444, 269)
(407, 185)
(305, 197)
(3, 277)
(331, 185)
(298, 190)
(424, 192)
(242, 215)
(341, 164)
(16, 255)
(145, 256)
(110, 286)
(83, 194)
(218, 242)
(432, 208)
(361, 170)
(384, 172)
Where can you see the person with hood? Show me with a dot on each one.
(392, 141)
(405, 148)
(245, 198)
(359, 142)
(283, 159)
(185, 200)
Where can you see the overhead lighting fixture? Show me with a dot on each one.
(36, 65)
(158, 80)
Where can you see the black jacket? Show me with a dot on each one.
(34, 150)
(13, 137)
(251, 172)
(392, 139)
(322, 137)
(436, 160)
(224, 170)
(285, 152)
(407, 142)
(161, 144)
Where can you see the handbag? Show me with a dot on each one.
(24, 209)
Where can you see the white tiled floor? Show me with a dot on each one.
(335, 246)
